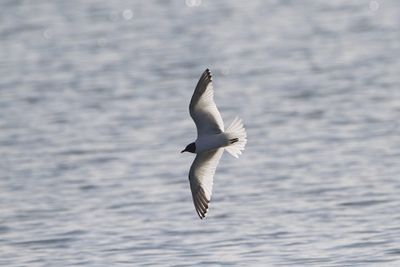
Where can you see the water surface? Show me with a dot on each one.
(94, 111)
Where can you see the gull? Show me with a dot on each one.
(211, 142)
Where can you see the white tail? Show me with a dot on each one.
(236, 130)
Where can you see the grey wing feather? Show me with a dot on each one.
(202, 107)
(201, 176)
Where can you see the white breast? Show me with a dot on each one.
(210, 142)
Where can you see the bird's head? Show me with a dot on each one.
(190, 148)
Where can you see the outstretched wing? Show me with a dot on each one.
(202, 107)
(201, 176)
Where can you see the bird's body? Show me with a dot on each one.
(211, 142)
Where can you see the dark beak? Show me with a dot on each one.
(183, 151)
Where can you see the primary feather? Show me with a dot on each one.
(201, 176)
(202, 107)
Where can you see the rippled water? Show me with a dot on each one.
(94, 111)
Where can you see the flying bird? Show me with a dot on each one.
(211, 142)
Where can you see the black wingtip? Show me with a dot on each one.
(202, 216)
(209, 76)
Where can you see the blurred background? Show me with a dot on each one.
(94, 102)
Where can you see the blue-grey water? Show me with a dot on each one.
(94, 111)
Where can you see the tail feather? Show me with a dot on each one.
(237, 132)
